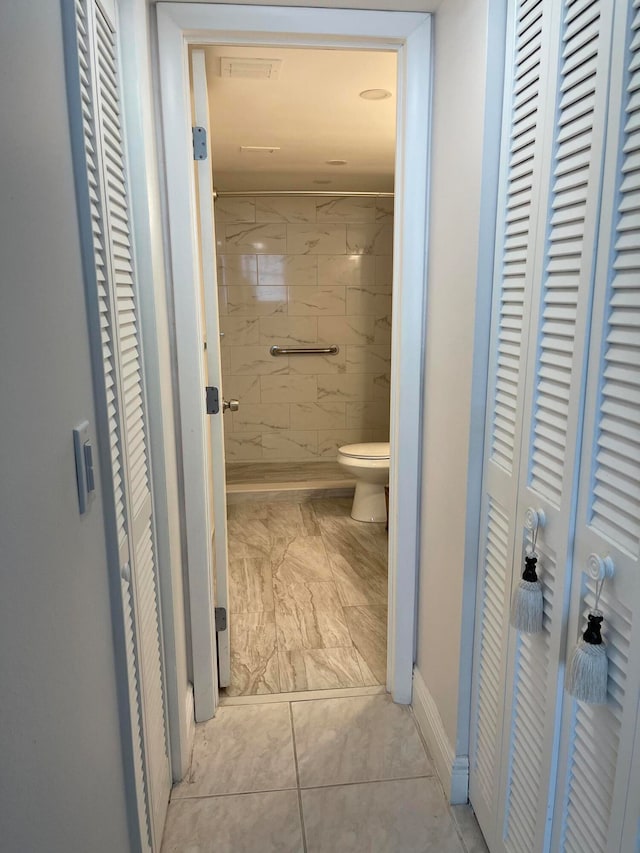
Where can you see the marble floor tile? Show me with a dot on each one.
(317, 596)
(250, 510)
(357, 739)
(309, 616)
(339, 525)
(319, 669)
(369, 678)
(249, 537)
(243, 749)
(294, 568)
(286, 520)
(242, 823)
(309, 520)
(368, 629)
(303, 558)
(306, 628)
(250, 585)
(357, 583)
(331, 668)
(358, 556)
(328, 507)
(407, 816)
(254, 659)
(293, 673)
(472, 837)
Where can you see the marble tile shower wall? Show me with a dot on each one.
(297, 271)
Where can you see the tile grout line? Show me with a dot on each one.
(295, 760)
(232, 794)
(299, 789)
(368, 782)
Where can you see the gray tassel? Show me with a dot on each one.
(527, 607)
(587, 675)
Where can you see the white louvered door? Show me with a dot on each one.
(560, 317)
(598, 800)
(111, 272)
(545, 271)
(520, 184)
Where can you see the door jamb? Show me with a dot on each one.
(409, 35)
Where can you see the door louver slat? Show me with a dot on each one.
(595, 742)
(615, 494)
(531, 690)
(564, 254)
(517, 223)
(494, 592)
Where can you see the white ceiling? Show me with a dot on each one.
(313, 112)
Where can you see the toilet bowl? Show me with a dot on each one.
(368, 464)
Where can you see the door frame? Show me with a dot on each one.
(409, 35)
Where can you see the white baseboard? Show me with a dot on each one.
(452, 770)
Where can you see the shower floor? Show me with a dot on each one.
(324, 475)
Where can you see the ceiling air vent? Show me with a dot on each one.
(249, 68)
(259, 149)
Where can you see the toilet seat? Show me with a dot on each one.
(368, 450)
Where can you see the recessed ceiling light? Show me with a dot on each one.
(336, 162)
(375, 94)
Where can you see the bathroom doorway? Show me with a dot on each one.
(302, 156)
(407, 37)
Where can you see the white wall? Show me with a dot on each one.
(458, 126)
(61, 778)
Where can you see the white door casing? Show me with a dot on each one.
(209, 289)
(409, 35)
(113, 307)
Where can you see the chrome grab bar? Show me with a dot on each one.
(276, 350)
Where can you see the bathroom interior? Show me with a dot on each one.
(303, 151)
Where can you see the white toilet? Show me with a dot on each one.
(368, 464)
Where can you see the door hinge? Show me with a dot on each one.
(199, 135)
(221, 618)
(212, 399)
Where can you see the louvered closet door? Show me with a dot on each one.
(516, 730)
(526, 88)
(117, 306)
(560, 316)
(598, 799)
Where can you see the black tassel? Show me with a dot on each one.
(528, 603)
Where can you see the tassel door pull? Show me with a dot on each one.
(527, 609)
(587, 672)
